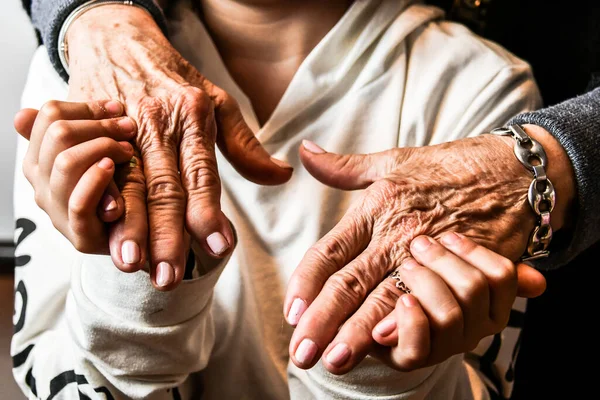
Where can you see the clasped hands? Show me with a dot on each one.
(450, 216)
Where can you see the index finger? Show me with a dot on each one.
(61, 110)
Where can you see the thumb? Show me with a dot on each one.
(24, 120)
(347, 171)
(531, 281)
(240, 146)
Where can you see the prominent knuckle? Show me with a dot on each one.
(331, 249)
(59, 132)
(64, 163)
(77, 208)
(39, 199)
(51, 110)
(164, 188)
(449, 316)
(204, 176)
(349, 284)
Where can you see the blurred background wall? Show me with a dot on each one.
(17, 43)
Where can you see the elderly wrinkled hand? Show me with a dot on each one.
(340, 290)
(180, 115)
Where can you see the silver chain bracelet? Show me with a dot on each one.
(541, 195)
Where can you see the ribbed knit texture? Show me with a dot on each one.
(48, 17)
(575, 123)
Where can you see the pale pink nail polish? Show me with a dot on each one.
(164, 274)
(306, 351)
(296, 310)
(339, 355)
(109, 203)
(217, 243)
(106, 163)
(385, 327)
(130, 252)
(312, 147)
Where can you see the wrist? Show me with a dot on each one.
(104, 24)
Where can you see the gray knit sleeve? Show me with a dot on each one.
(48, 17)
(575, 123)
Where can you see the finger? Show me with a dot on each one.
(128, 236)
(340, 297)
(444, 313)
(84, 201)
(239, 144)
(59, 110)
(24, 121)
(532, 283)
(355, 335)
(70, 165)
(468, 284)
(64, 134)
(332, 252)
(348, 171)
(200, 177)
(499, 271)
(166, 205)
(111, 206)
(410, 339)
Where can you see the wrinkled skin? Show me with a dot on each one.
(474, 187)
(180, 115)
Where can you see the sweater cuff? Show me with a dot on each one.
(575, 123)
(48, 17)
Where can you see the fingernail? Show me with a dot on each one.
(421, 243)
(109, 203)
(449, 238)
(217, 243)
(281, 163)
(339, 355)
(312, 147)
(126, 124)
(408, 300)
(127, 146)
(106, 163)
(386, 327)
(296, 310)
(409, 264)
(113, 107)
(130, 252)
(164, 274)
(306, 351)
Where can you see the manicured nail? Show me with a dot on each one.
(109, 203)
(385, 327)
(339, 355)
(164, 274)
(113, 107)
(409, 264)
(421, 243)
(296, 310)
(408, 300)
(312, 147)
(126, 124)
(281, 163)
(306, 351)
(217, 243)
(130, 252)
(106, 163)
(449, 238)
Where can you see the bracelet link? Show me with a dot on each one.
(541, 194)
